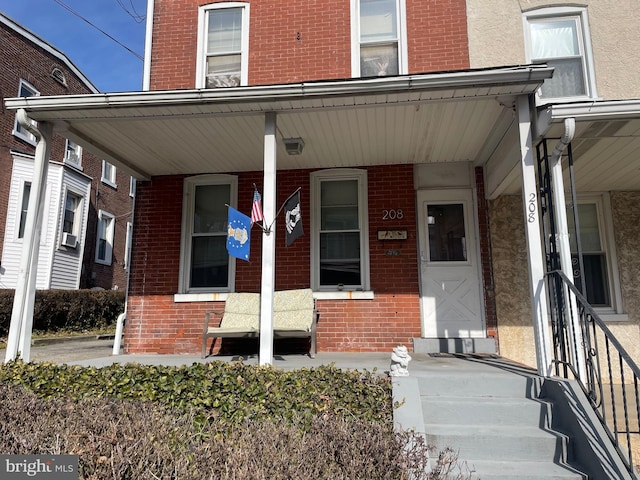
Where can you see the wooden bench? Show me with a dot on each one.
(294, 316)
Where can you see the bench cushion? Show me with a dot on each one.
(293, 310)
(241, 312)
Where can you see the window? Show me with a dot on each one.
(340, 250)
(25, 90)
(132, 187)
(26, 192)
(71, 220)
(104, 237)
(223, 44)
(108, 173)
(559, 37)
(206, 265)
(598, 257)
(72, 153)
(378, 38)
(127, 246)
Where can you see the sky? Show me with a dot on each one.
(108, 65)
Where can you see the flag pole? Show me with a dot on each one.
(280, 210)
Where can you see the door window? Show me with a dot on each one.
(447, 237)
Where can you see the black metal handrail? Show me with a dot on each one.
(609, 377)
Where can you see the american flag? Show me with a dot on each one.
(256, 208)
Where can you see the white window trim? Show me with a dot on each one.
(403, 55)
(109, 236)
(22, 133)
(78, 218)
(201, 70)
(363, 212)
(23, 184)
(106, 180)
(188, 206)
(557, 12)
(604, 212)
(67, 159)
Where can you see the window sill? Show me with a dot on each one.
(349, 295)
(613, 317)
(200, 297)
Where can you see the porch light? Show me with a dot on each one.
(293, 146)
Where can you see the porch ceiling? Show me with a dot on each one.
(606, 144)
(446, 117)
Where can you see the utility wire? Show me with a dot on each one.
(59, 2)
(133, 13)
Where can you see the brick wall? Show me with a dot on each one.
(302, 40)
(156, 324)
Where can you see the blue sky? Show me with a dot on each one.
(109, 66)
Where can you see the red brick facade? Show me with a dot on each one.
(289, 41)
(21, 58)
(295, 41)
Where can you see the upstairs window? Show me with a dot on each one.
(223, 44)
(559, 37)
(108, 173)
(71, 219)
(378, 38)
(72, 153)
(25, 90)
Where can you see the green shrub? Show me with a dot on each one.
(219, 392)
(67, 310)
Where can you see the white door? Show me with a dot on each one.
(449, 274)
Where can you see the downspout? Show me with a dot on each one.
(123, 316)
(19, 339)
(563, 242)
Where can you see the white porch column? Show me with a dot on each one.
(19, 339)
(268, 241)
(535, 255)
(564, 247)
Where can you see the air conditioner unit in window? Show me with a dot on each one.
(69, 240)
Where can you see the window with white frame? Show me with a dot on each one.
(339, 242)
(108, 173)
(223, 45)
(71, 219)
(72, 153)
(132, 187)
(104, 237)
(25, 90)
(600, 279)
(24, 206)
(205, 263)
(559, 37)
(379, 41)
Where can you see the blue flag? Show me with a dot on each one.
(238, 234)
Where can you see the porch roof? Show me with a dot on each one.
(440, 117)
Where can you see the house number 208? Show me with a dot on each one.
(392, 214)
(531, 208)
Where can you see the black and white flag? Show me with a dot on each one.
(293, 217)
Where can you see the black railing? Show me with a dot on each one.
(600, 364)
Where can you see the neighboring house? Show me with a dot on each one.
(88, 203)
(411, 128)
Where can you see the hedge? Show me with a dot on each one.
(67, 310)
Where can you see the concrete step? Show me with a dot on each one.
(488, 470)
(479, 384)
(485, 411)
(498, 443)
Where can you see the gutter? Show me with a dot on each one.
(529, 77)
